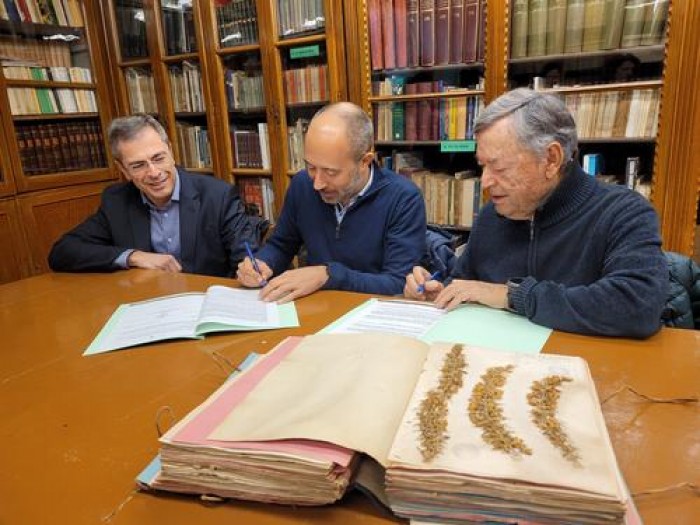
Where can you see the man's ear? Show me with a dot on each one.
(554, 159)
(367, 158)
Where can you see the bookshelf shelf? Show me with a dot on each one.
(251, 172)
(300, 40)
(643, 53)
(474, 66)
(174, 59)
(234, 50)
(135, 62)
(302, 105)
(205, 170)
(49, 84)
(54, 116)
(650, 141)
(190, 114)
(407, 143)
(29, 29)
(426, 96)
(244, 112)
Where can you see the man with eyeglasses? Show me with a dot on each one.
(554, 244)
(363, 227)
(162, 218)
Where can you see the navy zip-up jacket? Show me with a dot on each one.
(380, 239)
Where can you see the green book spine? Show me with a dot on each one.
(613, 18)
(635, 13)
(518, 46)
(537, 21)
(574, 26)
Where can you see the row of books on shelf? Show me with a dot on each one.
(258, 196)
(35, 52)
(60, 147)
(186, 87)
(244, 90)
(178, 23)
(542, 27)
(141, 89)
(193, 142)
(425, 119)
(132, 30)
(48, 101)
(308, 84)
(237, 22)
(16, 71)
(631, 114)
(295, 144)
(251, 147)
(54, 12)
(411, 33)
(300, 16)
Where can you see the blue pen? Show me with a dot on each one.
(433, 277)
(255, 263)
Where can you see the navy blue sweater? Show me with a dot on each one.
(380, 239)
(590, 260)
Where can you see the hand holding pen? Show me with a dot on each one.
(436, 276)
(256, 267)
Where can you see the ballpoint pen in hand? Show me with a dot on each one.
(255, 263)
(433, 277)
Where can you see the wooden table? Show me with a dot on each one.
(75, 431)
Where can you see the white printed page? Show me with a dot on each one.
(238, 307)
(171, 317)
(391, 317)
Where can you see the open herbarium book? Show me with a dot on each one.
(463, 433)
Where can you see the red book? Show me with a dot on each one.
(413, 33)
(456, 31)
(411, 114)
(471, 29)
(388, 33)
(424, 112)
(427, 32)
(481, 44)
(442, 31)
(25, 15)
(401, 24)
(375, 34)
(436, 87)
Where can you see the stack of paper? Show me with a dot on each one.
(516, 438)
(284, 471)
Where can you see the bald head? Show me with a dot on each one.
(348, 120)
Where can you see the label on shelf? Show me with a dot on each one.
(452, 146)
(305, 51)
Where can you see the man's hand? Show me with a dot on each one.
(461, 291)
(418, 286)
(250, 278)
(293, 284)
(153, 261)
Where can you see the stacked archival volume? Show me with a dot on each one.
(466, 433)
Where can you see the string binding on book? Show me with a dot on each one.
(671, 400)
(159, 414)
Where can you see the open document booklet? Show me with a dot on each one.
(464, 433)
(190, 316)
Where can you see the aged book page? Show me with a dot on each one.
(466, 452)
(348, 390)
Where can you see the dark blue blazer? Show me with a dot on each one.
(213, 228)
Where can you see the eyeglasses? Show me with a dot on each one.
(142, 167)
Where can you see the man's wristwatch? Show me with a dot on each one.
(513, 285)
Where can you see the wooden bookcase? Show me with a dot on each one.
(669, 159)
(245, 39)
(54, 106)
(423, 98)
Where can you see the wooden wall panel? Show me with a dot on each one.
(47, 215)
(14, 263)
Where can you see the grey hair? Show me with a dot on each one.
(358, 126)
(126, 128)
(538, 120)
